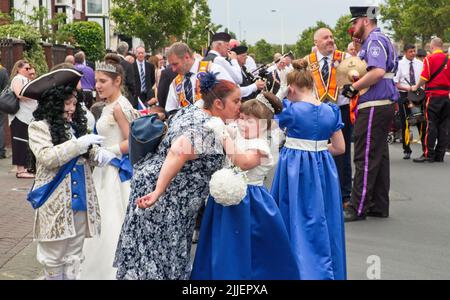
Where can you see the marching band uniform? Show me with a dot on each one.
(370, 193)
(408, 74)
(248, 88)
(230, 66)
(326, 89)
(437, 106)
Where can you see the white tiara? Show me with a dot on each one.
(102, 66)
(266, 102)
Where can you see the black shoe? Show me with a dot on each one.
(407, 155)
(439, 159)
(377, 214)
(2, 156)
(350, 215)
(423, 159)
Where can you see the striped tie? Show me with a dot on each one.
(188, 86)
(325, 71)
(412, 75)
(143, 86)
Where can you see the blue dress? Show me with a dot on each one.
(248, 241)
(306, 188)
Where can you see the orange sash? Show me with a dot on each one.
(179, 89)
(324, 90)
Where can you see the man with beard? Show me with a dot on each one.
(370, 193)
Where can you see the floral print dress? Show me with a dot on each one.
(155, 243)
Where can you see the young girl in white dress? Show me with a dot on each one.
(248, 241)
(111, 184)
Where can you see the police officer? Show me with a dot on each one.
(249, 87)
(370, 193)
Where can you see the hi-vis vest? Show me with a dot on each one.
(328, 90)
(179, 88)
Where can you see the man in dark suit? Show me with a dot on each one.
(144, 74)
(130, 86)
(167, 76)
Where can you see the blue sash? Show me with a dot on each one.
(40, 195)
(124, 166)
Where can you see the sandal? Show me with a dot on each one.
(24, 174)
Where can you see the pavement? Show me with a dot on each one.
(17, 250)
(413, 243)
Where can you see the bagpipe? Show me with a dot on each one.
(261, 71)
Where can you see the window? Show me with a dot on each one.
(94, 7)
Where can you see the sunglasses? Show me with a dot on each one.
(28, 69)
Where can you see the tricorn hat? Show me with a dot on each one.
(364, 11)
(221, 36)
(62, 77)
(240, 49)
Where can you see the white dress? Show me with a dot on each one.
(113, 198)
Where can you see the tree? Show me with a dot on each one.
(413, 20)
(196, 35)
(263, 51)
(89, 36)
(341, 36)
(306, 42)
(153, 21)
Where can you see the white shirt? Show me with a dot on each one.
(250, 64)
(26, 106)
(402, 75)
(233, 69)
(172, 98)
(141, 70)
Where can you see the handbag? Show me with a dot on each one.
(146, 133)
(9, 103)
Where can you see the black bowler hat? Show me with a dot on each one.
(221, 36)
(62, 77)
(240, 49)
(364, 11)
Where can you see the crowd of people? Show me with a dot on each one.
(98, 216)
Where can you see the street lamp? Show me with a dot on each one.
(282, 29)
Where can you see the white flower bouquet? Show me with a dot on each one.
(228, 186)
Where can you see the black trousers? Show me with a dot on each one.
(372, 174)
(19, 143)
(344, 161)
(404, 111)
(437, 116)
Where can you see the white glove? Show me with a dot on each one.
(103, 157)
(218, 127)
(87, 140)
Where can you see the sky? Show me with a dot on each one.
(253, 20)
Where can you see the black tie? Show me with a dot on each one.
(412, 77)
(188, 86)
(325, 71)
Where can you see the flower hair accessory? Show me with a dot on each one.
(102, 66)
(208, 81)
(266, 102)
